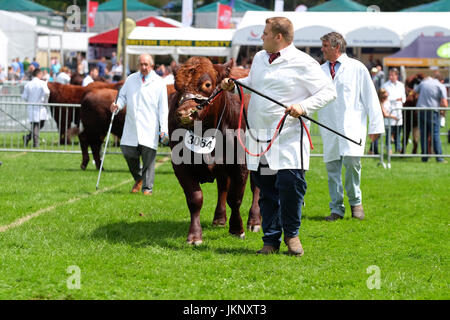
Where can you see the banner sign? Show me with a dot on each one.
(179, 43)
(223, 16)
(93, 6)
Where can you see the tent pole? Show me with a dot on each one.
(124, 40)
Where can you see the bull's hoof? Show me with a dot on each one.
(219, 223)
(255, 228)
(240, 236)
(195, 242)
(83, 166)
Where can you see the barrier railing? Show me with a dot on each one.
(420, 135)
(14, 126)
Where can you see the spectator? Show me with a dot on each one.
(64, 76)
(35, 64)
(356, 99)
(85, 65)
(29, 73)
(432, 94)
(101, 65)
(21, 69)
(13, 76)
(25, 63)
(281, 70)
(385, 105)
(117, 71)
(55, 67)
(397, 97)
(16, 66)
(3, 75)
(145, 96)
(36, 91)
(113, 58)
(376, 78)
(91, 77)
(108, 73)
(45, 75)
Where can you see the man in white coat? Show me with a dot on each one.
(145, 96)
(296, 80)
(357, 99)
(36, 91)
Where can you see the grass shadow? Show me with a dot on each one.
(169, 234)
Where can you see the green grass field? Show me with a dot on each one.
(127, 246)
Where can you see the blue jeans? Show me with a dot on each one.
(280, 200)
(395, 131)
(429, 122)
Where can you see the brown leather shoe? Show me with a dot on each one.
(267, 249)
(294, 246)
(357, 212)
(137, 186)
(147, 193)
(333, 217)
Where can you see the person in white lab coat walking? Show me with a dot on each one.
(145, 96)
(356, 99)
(36, 91)
(295, 79)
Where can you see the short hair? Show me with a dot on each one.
(394, 70)
(152, 63)
(283, 26)
(335, 39)
(93, 68)
(36, 72)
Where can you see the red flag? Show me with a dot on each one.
(223, 16)
(93, 6)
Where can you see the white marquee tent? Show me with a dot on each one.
(22, 32)
(181, 41)
(360, 29)
(3, 51)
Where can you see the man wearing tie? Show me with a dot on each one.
(145, 96)
(356, 99)
(295, 79)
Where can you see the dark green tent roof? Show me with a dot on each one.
(239, 6)
(22, 5)
(436, 6)
(132, 5)
(339, 5)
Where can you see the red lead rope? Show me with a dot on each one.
(277, 132)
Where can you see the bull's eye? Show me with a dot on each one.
(208, 84)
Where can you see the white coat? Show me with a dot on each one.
(36, 91)
(356, 99)
(147, 110)
(395, 91)
(294, 77)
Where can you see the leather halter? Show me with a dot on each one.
(205, 100)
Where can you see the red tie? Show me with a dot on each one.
(143, 79)
(273, 56)
(332, 64)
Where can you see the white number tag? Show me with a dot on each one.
(199, 144)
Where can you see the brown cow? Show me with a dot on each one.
(198, 78)
(410, 116)
(67, 93)
(95, 117)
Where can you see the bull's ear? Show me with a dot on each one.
(223, 70)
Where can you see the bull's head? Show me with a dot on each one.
(195, 81)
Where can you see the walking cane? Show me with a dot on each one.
(306, 117)
(106, 143)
